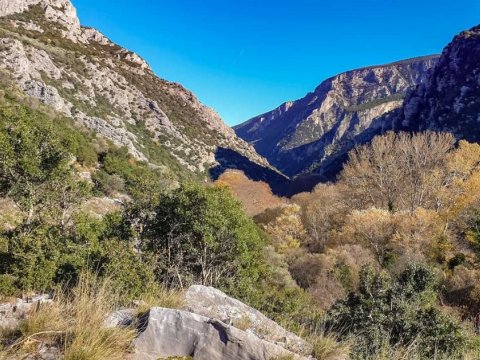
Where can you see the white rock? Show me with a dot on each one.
(168, 332)
(213, 303)
(120, 318)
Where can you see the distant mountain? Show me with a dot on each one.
(450, 99)
(78, 72)
(313, 135)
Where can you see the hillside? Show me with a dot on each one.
(449, 99)
(314, 134)
(81, 74)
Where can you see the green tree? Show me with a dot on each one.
(201, 234)
(31, 159)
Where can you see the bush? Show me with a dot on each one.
(108, 184)
(120, 172)
(400, 311)
(201, 234)
(7, 286)
(35, 258)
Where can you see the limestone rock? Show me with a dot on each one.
(9, 7)
(168, 332)
(120, 318)
(214, 304)
(12, 313)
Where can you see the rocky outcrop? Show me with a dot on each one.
(450, 99)
(60, 12)
(81, 74)
(168, 333)
(16, 6)
(12, 313)
(210, 326)
(304, 136)
(214, 304)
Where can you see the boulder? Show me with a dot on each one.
(214, 304)
(165, 333)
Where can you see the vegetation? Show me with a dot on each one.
(399, 312)
(383, 263)
(405, 204)
(74, 322)
(164, 236)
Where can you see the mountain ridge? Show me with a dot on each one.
(79, 72)
(342, 110)
(448, 101)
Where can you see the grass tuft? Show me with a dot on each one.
(74, 322)
(327, 347)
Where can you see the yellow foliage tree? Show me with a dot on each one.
(286, 229)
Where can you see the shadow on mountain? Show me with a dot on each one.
(230, 159)
(329, 167)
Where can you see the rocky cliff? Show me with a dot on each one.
(312, 134)
(450, 99)
(80, 73)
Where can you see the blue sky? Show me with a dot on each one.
(245, 57)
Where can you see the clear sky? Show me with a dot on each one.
(245, 57)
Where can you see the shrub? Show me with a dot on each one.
(35, 257)
(7, 286)
(201, 234)
(399, 311)
(108, 184)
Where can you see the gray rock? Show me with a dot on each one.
(48, 95)
(168, 332)
(212, 303)
(121, 318)
(8, 7)
(12, 313)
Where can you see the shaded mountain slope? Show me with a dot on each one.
(450, 99)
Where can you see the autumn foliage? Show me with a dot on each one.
(402, 199)
(256, 196)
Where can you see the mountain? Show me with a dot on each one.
(80, 73)
(313, 135)
(450, 99)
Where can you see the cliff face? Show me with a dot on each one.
(450, 99)
(80, 73)
(312, 134)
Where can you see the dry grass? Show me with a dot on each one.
(284, 357)
(327, 347)
(74, 322)
(161, 297)
(244, 323)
